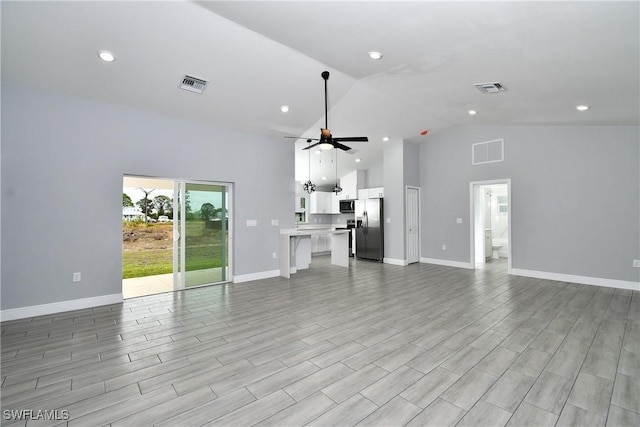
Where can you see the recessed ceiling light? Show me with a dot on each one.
(106, 56)
(385, 138)
(358, 160)
(582, 107)
(472, 112)
(375, 55)
(284, 108)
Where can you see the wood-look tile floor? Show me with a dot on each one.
(371, 345)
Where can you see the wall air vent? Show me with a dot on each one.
(487, 152)
(490, 87)
(193, 84)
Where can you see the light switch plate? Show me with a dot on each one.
(274, 222)
(388, 220)
(636, 262)
(252, 223)
(458, 220)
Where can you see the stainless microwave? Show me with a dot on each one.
(347, 206)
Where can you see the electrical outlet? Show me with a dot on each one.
(636, 263)
(77, 277)
(274, 255)
(444, 247)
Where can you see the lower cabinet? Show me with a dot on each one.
(320, 243)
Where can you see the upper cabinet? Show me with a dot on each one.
(376, 193)
(348, 193)
(371, 193)
(323, 202)
(351, 183)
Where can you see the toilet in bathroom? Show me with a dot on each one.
(495, 247)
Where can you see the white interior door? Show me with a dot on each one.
(413, 225)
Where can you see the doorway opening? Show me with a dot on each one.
(491, 222)
(176, 235)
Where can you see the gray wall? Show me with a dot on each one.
(374, 176)
(575, 196)
(401, 166)
(411, 164)
(63, 159)
(393, 200)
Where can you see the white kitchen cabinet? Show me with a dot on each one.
(320, 243)
(323, 202)
(350, 184)
(371, 193)
(320, 202)
(335, 203)
(353, 179)
(348, 193)
(376, 193)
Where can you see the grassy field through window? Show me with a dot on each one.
(148, 248)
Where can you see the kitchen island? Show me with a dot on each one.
(295, 249)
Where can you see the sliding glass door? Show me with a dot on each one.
(201, 234)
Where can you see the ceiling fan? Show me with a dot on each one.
(327, 141)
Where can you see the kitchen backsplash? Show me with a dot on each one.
(334, 219)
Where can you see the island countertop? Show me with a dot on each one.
(295, 248)
(310, 232)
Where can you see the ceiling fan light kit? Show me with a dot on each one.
(327, 141)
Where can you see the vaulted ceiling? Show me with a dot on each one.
(258, 56)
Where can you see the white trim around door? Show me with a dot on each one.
(474, 205)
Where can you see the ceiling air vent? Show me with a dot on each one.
(490, 87)
(193, 84)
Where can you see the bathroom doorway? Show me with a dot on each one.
(491, 222)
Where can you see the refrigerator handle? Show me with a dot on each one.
(366, 224)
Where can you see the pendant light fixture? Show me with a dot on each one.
(337, 189)
(309, 186)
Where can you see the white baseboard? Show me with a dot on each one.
(583, 280)
(255, 276)
(395, 261)
(59, 307)
(447, 263)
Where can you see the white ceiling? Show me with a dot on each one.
(259, 55)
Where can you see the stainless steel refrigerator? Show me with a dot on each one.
(369, 229)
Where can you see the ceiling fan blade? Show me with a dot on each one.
(312, 145)
(302, 137)
(352, 139)
(340, 146)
